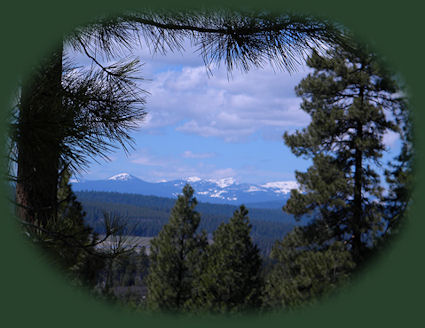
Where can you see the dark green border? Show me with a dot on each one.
(390, 294)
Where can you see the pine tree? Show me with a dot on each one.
(69, 242)
(35, 134)
(176, 254)
(231, 281)
(349, 97)
(65, 116)
(302, 272)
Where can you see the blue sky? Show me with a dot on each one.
(212, 126)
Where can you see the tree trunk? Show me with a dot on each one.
(358, 186)
(39, 139)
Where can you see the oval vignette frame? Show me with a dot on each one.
(388, 293)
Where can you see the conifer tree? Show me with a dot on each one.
(349, 97)
(70, 243)
(176, 254)
(304, 272)
(73, 245)
(231, 281)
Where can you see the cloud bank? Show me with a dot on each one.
(232, 108)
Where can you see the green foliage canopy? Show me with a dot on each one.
(231, 281)
(176, 257)
(353, 101)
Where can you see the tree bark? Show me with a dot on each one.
(39, 138)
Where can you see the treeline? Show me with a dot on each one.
(164, 205)
(146, 215)
(185, 272)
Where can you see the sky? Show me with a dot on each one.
(212, 125)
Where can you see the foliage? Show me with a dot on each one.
(69, 242)
(123, 277)
(176, 256)
(240, 39)
(230, 282)
(350, 97)
(304, 272)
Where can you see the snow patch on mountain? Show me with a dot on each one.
(281, 186)
(253, 189)
(224, 182)
(122, 177)
(202, 192)
(218, 193)
(193, 179)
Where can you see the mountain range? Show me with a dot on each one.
(216, 191)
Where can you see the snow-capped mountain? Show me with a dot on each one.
(122, 177)
(222, 191)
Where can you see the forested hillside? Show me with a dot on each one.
(146, 215)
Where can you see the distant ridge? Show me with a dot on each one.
(219, 191)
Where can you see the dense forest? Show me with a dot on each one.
(146, 215)
(204, 258)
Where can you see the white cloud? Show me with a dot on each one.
(183, 94)
(218, 107)
(204, 130)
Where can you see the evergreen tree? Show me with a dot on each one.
(231, 281)
(303, 272)
(176, 256)
(65, 116)
(69, 242)
(350, 97)
(73, 245)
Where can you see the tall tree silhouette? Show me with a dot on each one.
(176, 254)
(351, 98)
(231, 281)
